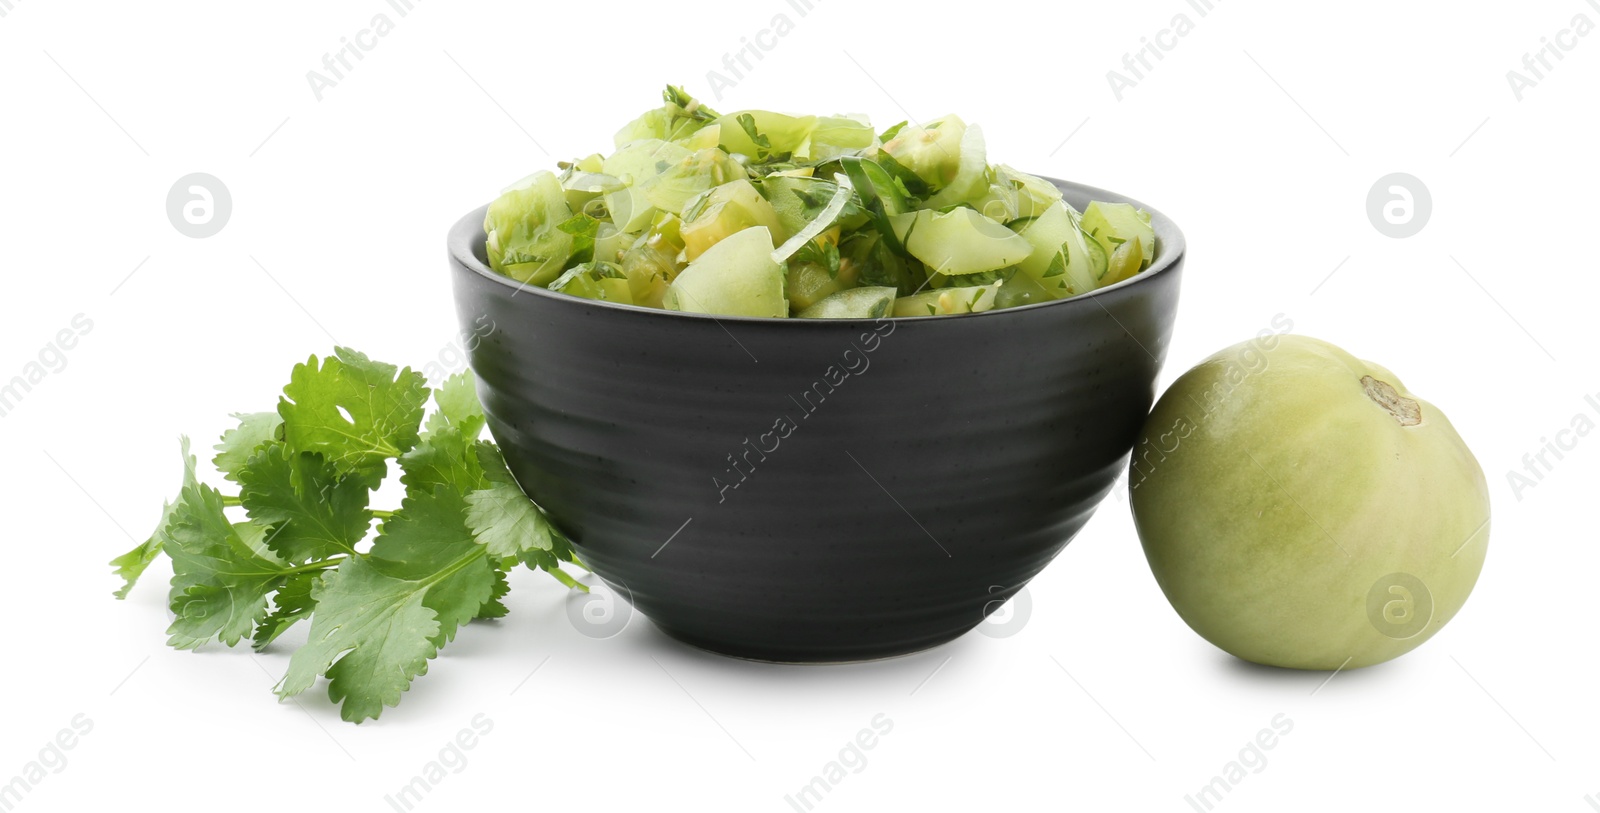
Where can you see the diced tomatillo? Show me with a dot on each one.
(639, 161)
(727, 210)
(681, 117)
(932, 151)
(595, 280)
(1114, 226)
(760, 135)
(677, 185)
(947, 301)
(810, 283)
(1034, 194)
(736, 277)
(972, 172)
(1021, 289)
(1064, 260)
(960, 241)
(835, 136)
(524, 240)
(856, 303)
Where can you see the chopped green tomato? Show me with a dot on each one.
(639, 161)
(762, 136)
(727, 210)
(836, 136)
(651, 125)
(856, 303)
(668, 227)
(524, 239)
(629, 208)
(616, 290)
(703, 139)
(799, 200)
(1114, 225)
(1064, 260)
(681, 117)
(1049, 233)
(972, 172)
(676, 186)
(611, 243)
(1002, 201)
(960, 241)
(652, 263)
(736, 277)
(595, 280)
(824, 221)
(1034, 194)
(1123, 263)
(649, 272)
(1021, 289)
(810, 283)
(584, 187)
(1095, 256)
(947, 301)
(918, 209)
(932, 151)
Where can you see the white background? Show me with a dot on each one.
(1260, 133)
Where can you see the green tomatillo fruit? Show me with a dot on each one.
(1301, 509)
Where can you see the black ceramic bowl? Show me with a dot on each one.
(832, 490)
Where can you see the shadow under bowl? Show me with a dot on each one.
(817, 490)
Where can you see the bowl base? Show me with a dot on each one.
(821, 657)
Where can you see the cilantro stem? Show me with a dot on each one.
(566, 579)
(312, 567)
(229, 500)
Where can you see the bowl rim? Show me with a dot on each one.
(468, 234)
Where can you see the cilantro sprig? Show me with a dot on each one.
(305, 475)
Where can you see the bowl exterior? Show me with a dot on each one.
(826, 490)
